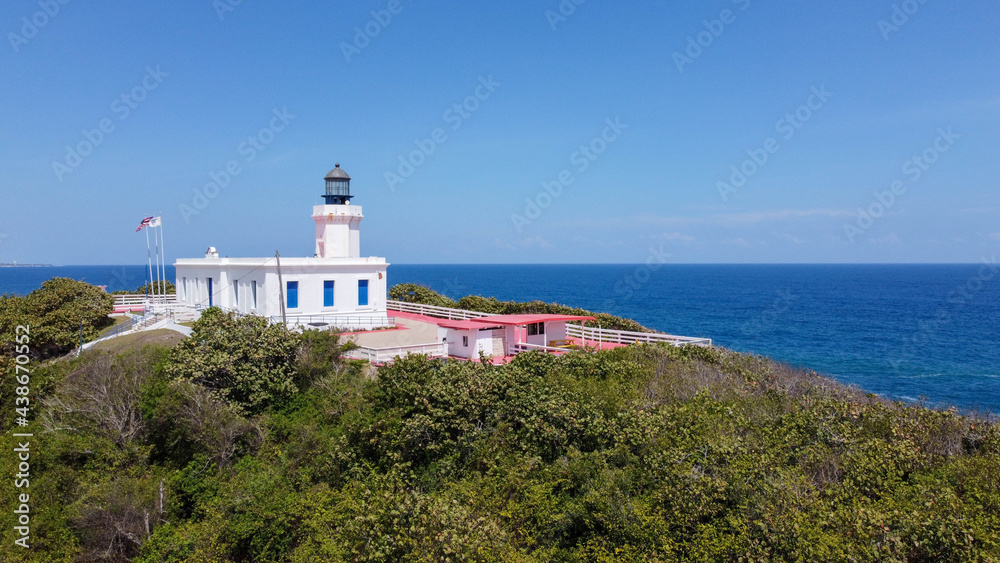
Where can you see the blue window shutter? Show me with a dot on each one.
(293, 295)
(210, 296)
(328, 293)
(362, 292)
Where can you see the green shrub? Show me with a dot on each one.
(246, 362)
(55, 313)
(267, 446)
(413, 293)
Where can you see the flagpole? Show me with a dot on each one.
(156, 264)
(149, 259)
(159, 264)
(164, 252)
(156, 243)
(163, 259)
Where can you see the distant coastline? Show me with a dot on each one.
(16, 265)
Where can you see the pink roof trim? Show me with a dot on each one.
(464, 325)
(517, 320)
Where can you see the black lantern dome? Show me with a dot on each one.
(338, 187)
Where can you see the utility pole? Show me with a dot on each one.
(281, 290)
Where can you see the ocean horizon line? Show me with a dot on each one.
(45, 265)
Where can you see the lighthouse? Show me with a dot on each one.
(338, 223)
(334, 287)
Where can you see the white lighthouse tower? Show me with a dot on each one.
(338, 223)
(334, 287)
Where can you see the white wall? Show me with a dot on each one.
(345, 292)
(309, 273)
(455, 346)
(338, 230)
(479, 341)
(555, 330)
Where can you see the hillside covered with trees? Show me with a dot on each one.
(246, 442)
(413, 293)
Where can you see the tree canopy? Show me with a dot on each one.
(251, 443)
(246, 362)
(54, 314)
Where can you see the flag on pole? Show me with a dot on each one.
(155, 222)
(145, 223)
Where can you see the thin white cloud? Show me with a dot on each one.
(535, 241)
(748, 218)
(793, 239)
(675, 237)
(890, 239)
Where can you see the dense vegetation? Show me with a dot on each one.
(246, 443)
(160, 287)
(413, 293)
(54, 314)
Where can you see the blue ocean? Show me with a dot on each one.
(926, 333)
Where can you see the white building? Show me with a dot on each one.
(505, 335)
(336, 287)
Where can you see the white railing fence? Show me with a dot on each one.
(131, 300)
(342, 322)
(593, 334)
(628, 337)
(385, 355)
(434, 311)
(525, 347)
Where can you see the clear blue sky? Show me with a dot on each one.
(688, 116)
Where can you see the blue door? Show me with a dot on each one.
(362, 293)
(210, 292)
(293, 295)
(328, 293)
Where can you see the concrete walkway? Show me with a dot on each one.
(185, 330)
(165, 324)
(409, 332)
